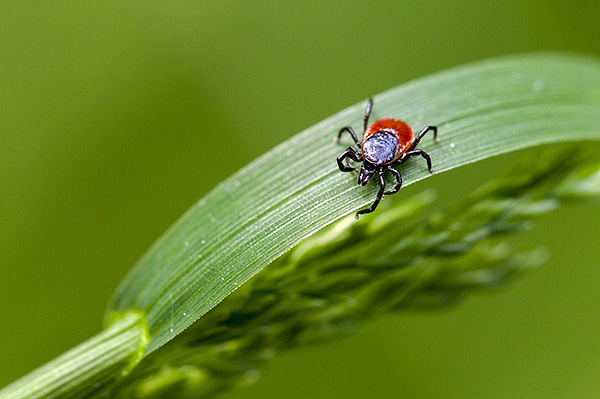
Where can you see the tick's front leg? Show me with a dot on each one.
(349, 130)
(368, 112)
(349, 153)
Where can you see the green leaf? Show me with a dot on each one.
(259, 213)
(329, 283)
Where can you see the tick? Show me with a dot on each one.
(385, 143)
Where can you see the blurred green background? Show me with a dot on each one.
(115, 117)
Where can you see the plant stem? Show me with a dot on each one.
(89, 367)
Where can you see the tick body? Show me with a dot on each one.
(385, 143)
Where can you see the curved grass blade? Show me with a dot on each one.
(482, 110)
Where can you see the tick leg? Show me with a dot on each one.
(380, 195)
(423, 133)
(349, 130)
(368, 112)
(417, 152)
(349, 153)
(398, 181)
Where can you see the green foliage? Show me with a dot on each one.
(403, 257)
(262, 211)
(406, 257)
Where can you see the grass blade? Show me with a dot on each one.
(293, 191)
(482, 110)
